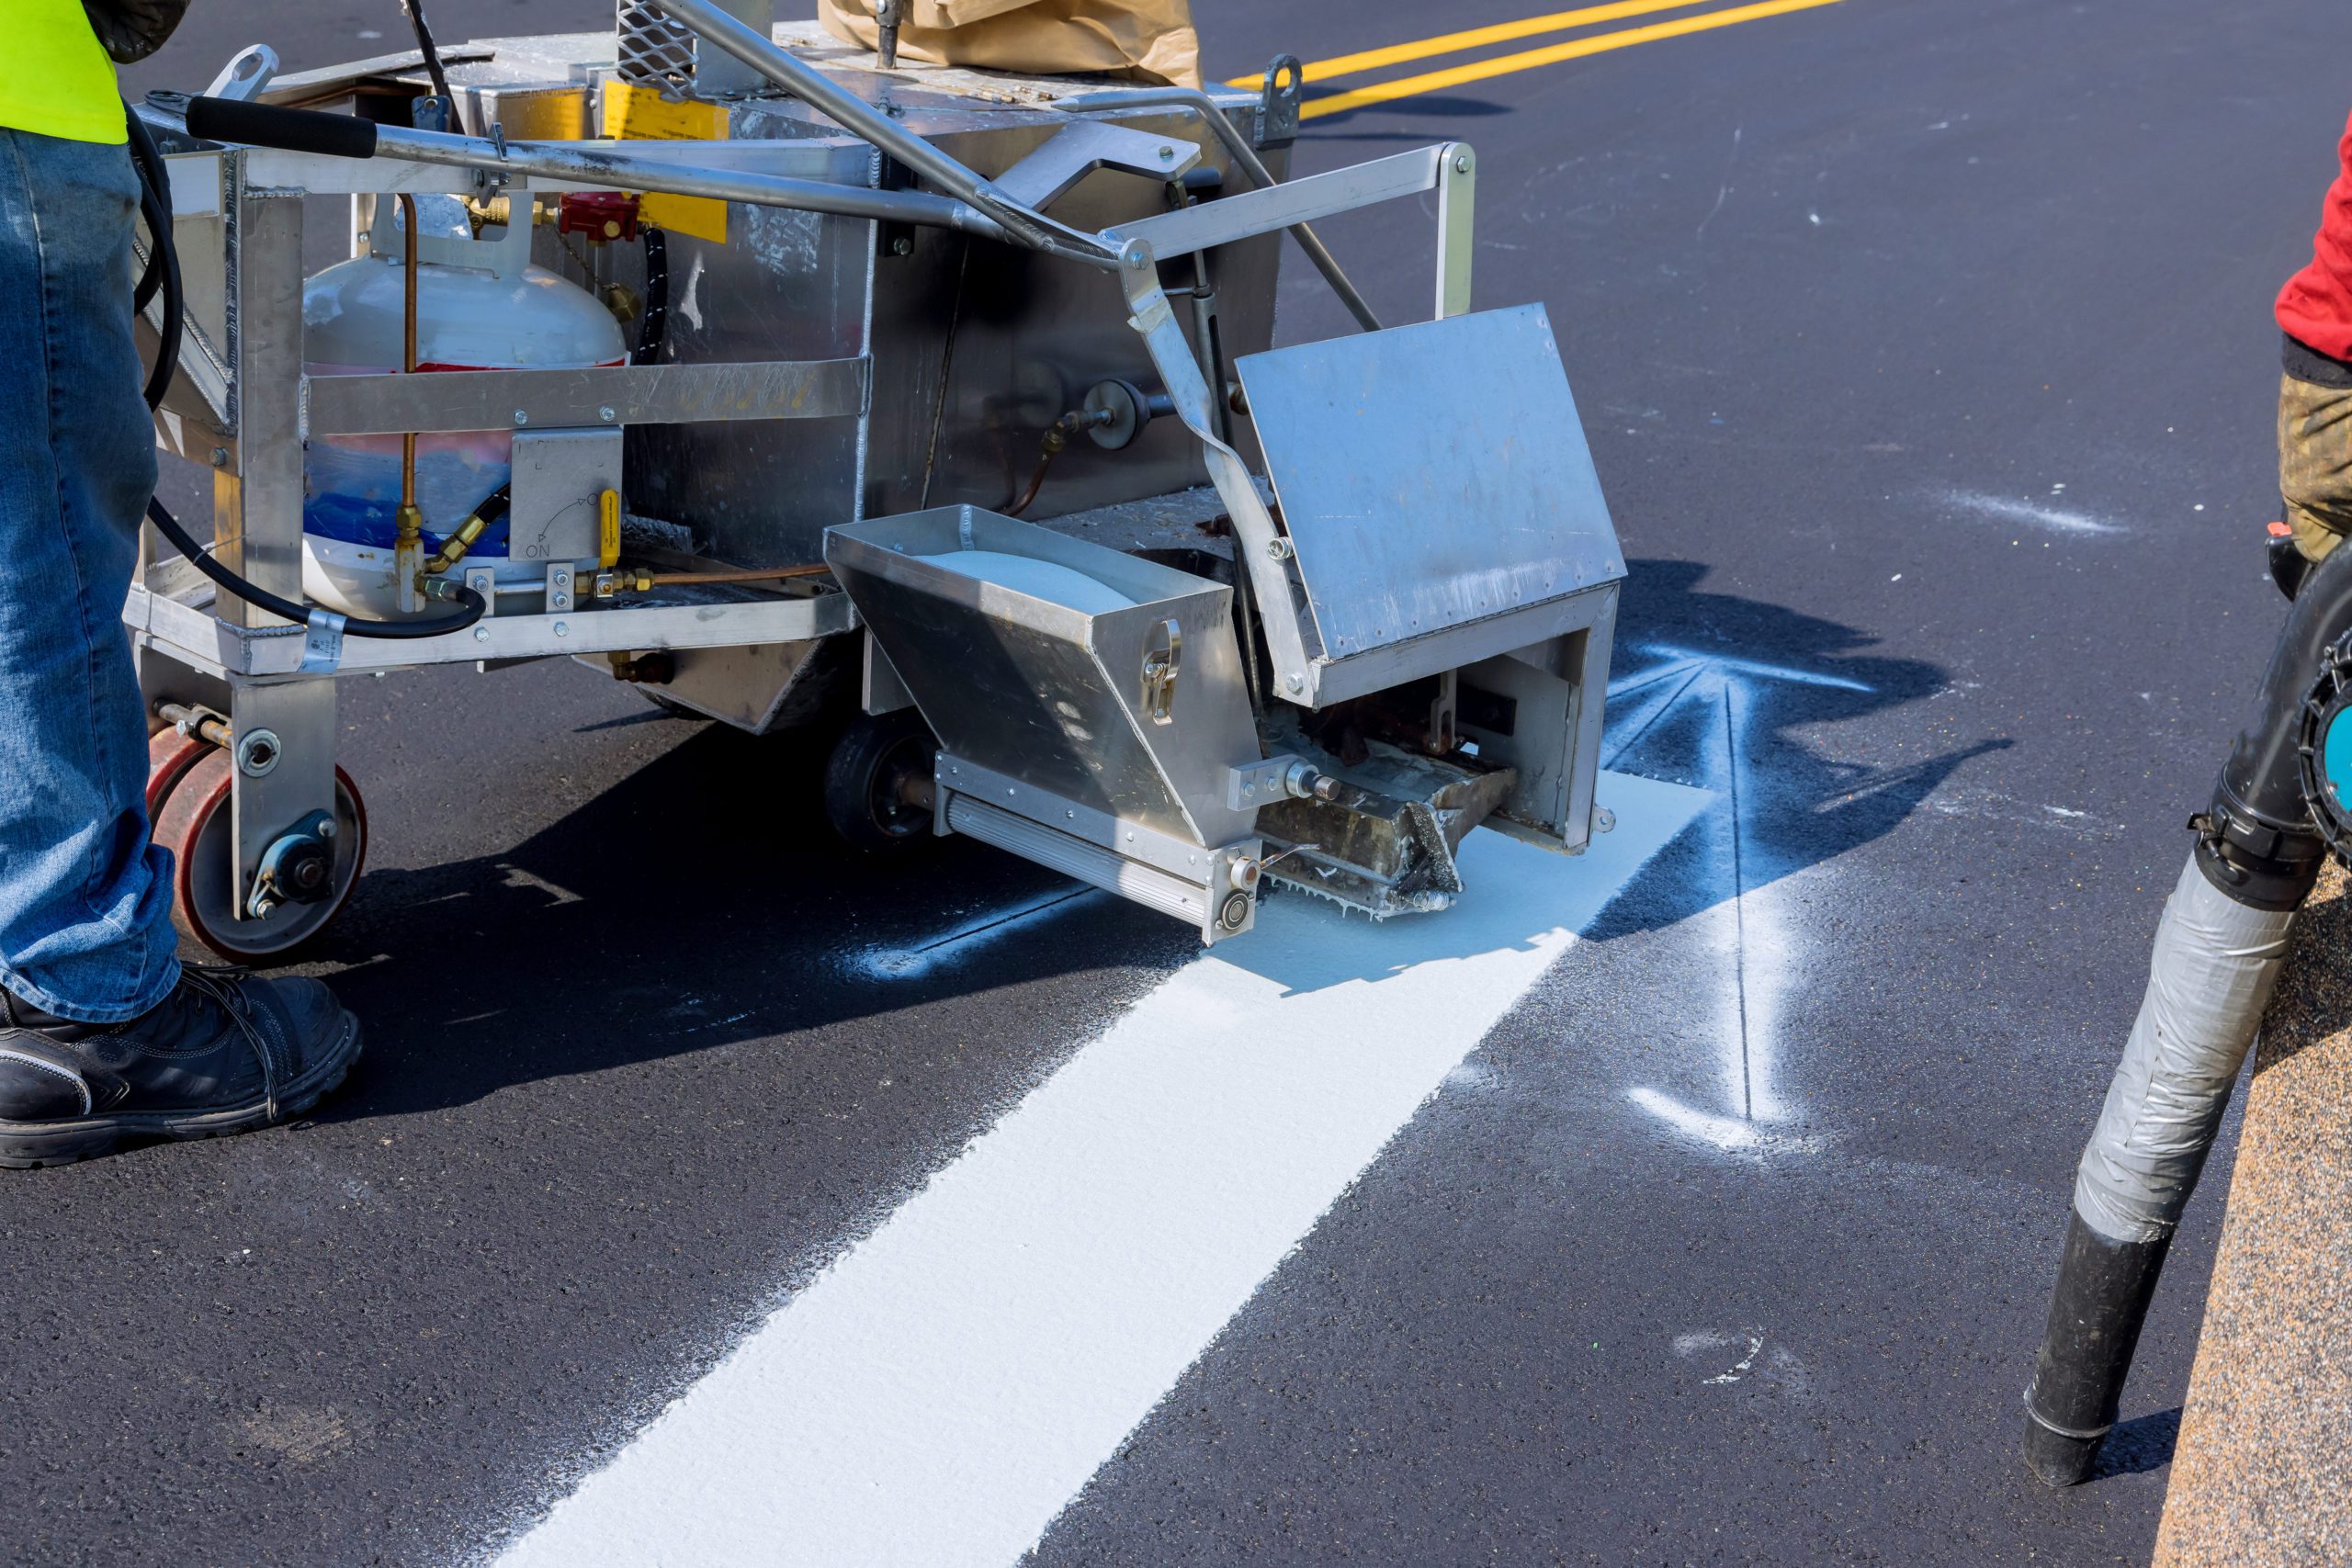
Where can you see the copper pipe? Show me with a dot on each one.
(764, 574)
(408, 354)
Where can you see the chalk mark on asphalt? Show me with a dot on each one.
(1739, 911)
(901, 963)
(1724, 773)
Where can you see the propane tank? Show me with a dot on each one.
(480, 306)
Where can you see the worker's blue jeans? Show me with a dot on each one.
(85, 928)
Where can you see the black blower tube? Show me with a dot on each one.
(295, 130)
(2259, 844)
(2257, 849)
(155, 202)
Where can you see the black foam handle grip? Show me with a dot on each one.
(296, 130)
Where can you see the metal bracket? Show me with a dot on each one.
(1246, 789)
(1180, 373)
(247, 75)
(1278, 103)
(1082, 146)
(322, 643)
(1458, 191)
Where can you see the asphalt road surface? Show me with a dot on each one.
(1925, 352)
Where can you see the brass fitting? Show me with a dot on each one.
(657, 667)
(626, 580)
(497, 211)
(453, 548)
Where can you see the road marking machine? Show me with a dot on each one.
(787, 381)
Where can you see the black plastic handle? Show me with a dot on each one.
(296, 130)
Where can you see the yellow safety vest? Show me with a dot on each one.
(55, 78)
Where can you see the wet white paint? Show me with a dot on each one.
(2009, 510)
(945, 1388)
(1047, 579)
(690, 297)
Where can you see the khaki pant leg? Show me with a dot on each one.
(2316, 463)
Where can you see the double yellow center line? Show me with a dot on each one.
(1525, 59)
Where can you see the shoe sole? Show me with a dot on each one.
(29, 1146)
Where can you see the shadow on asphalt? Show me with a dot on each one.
(1422, 107)
(2140, 1445)
(702, 900)
(1726, 694)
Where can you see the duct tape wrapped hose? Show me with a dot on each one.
(2218, 956)
(2215, 965)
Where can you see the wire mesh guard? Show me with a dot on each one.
(654, 51)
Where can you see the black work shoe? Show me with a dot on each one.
(226, 1052)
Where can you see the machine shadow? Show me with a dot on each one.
(699, 901)
(1730, 695)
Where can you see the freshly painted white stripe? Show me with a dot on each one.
(945, 1388)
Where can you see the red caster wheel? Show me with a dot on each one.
(170, 755)
(193, 825)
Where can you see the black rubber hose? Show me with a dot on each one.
(415, 11)
(656, 321)
(151, 277)
(155, 198)
(2259, 844)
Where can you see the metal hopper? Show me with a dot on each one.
(1089, 704)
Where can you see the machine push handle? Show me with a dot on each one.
(295, 130)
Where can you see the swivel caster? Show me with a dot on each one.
(879, 788)
(311, 871)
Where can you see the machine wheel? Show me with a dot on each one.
(868, 780)
(170, 756)
(195, 826)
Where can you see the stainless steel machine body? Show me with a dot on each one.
(1365, 588)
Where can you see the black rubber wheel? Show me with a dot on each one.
(865, 797)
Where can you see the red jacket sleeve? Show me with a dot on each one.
(2316, 305)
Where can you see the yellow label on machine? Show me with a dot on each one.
(642, 114)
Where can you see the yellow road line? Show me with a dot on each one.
(1476, 38)
(1553, 54)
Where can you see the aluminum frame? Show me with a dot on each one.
(254, 408)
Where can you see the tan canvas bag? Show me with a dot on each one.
(1148, 40)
